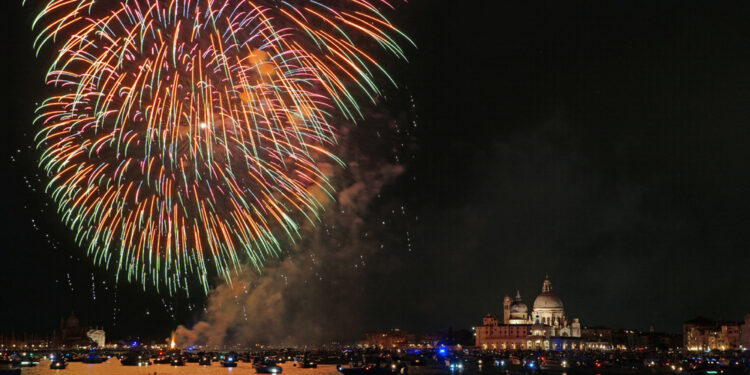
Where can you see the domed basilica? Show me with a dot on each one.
(545, 327)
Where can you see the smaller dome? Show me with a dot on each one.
(518, 308)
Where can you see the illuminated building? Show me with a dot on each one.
(624, 339)
(597, 337)
(394, 338)
(99, 337)
(73, 335)
(23, 342)
(705, 334)
(745, 334)
(546, 327)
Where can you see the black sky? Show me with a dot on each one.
(602, 144)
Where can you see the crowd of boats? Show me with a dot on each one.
(59, 359)
(358, 361)
(600, 362)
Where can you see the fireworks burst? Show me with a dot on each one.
(186, 133)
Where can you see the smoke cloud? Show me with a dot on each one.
(314, 294)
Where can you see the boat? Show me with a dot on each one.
(419, 360)
(58, 364)
(205, 360)
(553, 363)
(135, 359)
(305, 362)
(162, 360)
(267, 367)
(93, 358)
(24, 360)
(177, 361)
(329, 360)
(229, 360)
(373, 369)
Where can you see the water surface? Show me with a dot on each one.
(113, 367)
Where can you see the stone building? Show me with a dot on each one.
(546, 326)
(705, 334)
(72, 335)
(745, 333)
(394, 338)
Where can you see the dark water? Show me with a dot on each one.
(113, 367)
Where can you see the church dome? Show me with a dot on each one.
(72, 321)
(518, 309)
(548, 299)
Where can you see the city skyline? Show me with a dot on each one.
(602, 145)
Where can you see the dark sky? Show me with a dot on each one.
(602, 144)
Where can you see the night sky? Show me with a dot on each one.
(602, 144)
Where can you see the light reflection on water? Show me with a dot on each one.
(113, 367)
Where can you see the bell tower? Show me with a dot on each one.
(506, 309)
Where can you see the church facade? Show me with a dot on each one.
(544, 327)
(72, 335)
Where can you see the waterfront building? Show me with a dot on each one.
(745, 333)
(24, 341)
(705, 334)
(98, 336)
(394, 338)
(659, 340)
(72, 335)
(546, 326)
